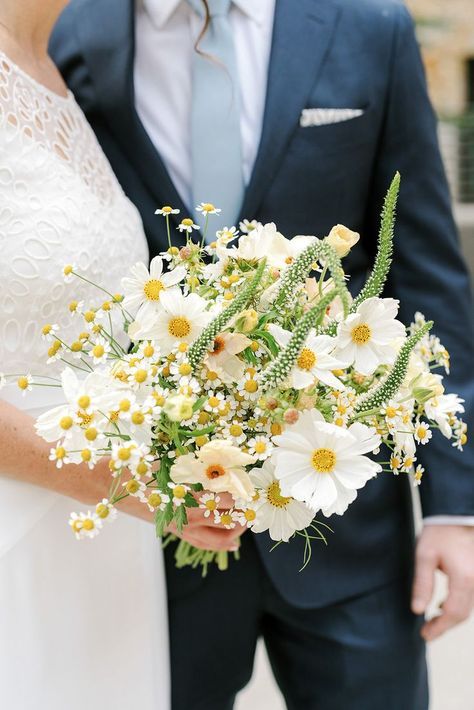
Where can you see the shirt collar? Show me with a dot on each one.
(161, 10)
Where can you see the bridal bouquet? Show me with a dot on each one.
(252, 372)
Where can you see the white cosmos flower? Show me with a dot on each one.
(365, 338)
(145, 287)
(281, 516)
(315, 360)
(322, 464)
(219, 466)
(440, 409)
(178, 319)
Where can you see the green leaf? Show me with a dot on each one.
(163, 518)
(180, 517)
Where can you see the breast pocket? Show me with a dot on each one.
(325, 131)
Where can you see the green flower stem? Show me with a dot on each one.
(200, 347)
(388, 388)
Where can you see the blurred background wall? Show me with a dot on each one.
(446, 33)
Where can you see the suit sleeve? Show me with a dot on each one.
(428, 273)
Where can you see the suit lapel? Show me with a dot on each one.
(107, 36)
(302, 34)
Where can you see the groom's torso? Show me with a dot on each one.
(328, 76)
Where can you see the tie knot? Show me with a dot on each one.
(217, 8)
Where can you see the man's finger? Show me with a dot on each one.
(425, 567)
(209, 539)
(455, 610)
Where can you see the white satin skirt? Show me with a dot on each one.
(83, 624)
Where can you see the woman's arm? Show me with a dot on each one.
(24, 456)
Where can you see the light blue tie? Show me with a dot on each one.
(217, 174)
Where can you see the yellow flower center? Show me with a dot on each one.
(152, 289)
(102, 511)
(250, 515)
(23, 383)
(89, 316)
(84, 401)
(276, 428)
(361, 334)
(179, 491)
(390, 412)
(275, 497)
(86, 419)
(86, 455)
(187, 222)
(132, 486)
(148, 351)
(260, 447)
(214, 402)
(166, 209)
(208, 207)
(154, 500)
(124, 453)
(235, 430)
(88, 524)
(185, 369)
(215, 471)
(98, 350)
(138, 418)
(251, 386)
(68, 269)
(323, 460)
(421, 431)
(60, 452)
(211, 504)
(226, 519)
(179, 327)
(91, 434)
(140, 376)
(142, 468)
(66, 423)
(307, 359)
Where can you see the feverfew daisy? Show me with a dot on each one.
(209, 502)
(260, 447)
(178, 319)
(179, 492)
(207, 208)
(419, 471)
(219, 467)
(48, 331)
(85, 525)
(145, 287)
(281, 515)
(25, 383)
(106, 511)
(166, 211)
(365, 338)
(422, 432)
(322, 464)
(228, 519)
(315, 362)
(100, 351)
(157, 500)
(187, 225)
(59, 454)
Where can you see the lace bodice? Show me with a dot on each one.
(60, 203)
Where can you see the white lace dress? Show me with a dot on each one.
(82, 624)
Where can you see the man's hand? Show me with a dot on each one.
(204, 533)
(449, 548)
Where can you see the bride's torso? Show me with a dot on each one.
(60, 203)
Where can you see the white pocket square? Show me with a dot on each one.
(325, 116)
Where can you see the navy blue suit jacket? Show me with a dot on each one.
(331, 54)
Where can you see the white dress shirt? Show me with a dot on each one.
(166, 32)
